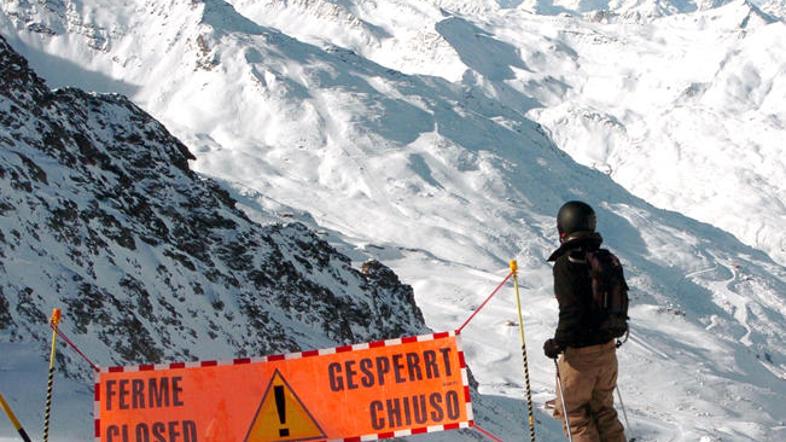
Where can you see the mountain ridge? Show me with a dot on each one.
(101, 197)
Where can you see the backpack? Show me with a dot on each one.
(609, 294)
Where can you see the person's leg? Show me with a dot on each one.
(577, 382)
(602, 409)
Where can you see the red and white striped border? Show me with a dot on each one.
(411, 432)
(306, 354)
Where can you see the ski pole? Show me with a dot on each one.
(562, 399)
(624, 413)
(54, 321)
(514, 270)
(13, 419)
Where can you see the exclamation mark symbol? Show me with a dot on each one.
(281, 407)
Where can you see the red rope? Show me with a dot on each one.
(69, 342)
(458, 330)
(487, 433)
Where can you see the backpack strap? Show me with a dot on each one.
(624, 339)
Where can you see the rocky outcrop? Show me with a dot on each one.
(100, 214)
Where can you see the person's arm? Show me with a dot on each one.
(570, 312)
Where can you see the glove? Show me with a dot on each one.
(552, 349)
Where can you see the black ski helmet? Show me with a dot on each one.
(575, 216)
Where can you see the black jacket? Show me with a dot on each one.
(577, 325)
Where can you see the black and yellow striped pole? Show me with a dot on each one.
(514, 267)
(13, 419)
(54, 321)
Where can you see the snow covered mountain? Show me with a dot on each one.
(432, 136)
(100, 215)
(681, 101)
(628, 99)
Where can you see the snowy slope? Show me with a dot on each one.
(707, 136)
(681, 100)
(776, 8)
(431, 162)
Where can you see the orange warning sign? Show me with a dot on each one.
(373, 390)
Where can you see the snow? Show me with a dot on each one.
(442, 136)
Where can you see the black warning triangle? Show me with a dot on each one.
(281, 416)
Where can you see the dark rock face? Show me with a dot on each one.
(388, 290)
(101, 215)
(5, 315)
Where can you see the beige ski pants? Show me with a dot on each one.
(589, 376)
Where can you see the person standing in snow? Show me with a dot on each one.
(588, 366)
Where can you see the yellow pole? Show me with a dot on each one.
(514, 267)
(54, 322)
(13, 419)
